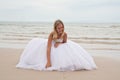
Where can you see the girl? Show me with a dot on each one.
(55, 53)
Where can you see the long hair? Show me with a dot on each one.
(55, 35)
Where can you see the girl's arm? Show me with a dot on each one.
(65, 38)
(49, 50)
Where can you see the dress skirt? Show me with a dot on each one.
(68, 56)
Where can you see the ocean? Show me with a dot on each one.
(92, 36)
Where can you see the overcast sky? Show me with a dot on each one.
(83, 11)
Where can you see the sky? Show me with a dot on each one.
(82, 11)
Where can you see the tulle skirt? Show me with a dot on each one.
(68, 56)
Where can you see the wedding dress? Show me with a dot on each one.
(68, 56)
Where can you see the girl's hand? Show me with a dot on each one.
(56, 45)
(48, 65)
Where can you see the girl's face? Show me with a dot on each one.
(59, 28)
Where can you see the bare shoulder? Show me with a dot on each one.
(51, 34)
(65, 34)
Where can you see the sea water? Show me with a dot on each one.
(92, 36)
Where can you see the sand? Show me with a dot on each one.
(108, 69)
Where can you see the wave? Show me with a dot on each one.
(95, 38)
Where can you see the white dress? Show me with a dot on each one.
(69, 56)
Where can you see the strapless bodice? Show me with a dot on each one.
(58, 40)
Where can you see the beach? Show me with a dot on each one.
(108, 69)
(102, 41)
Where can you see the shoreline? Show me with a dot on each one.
(108, 69)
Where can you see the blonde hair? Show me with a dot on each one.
(57, 22)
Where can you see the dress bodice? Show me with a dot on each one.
(58, 40)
